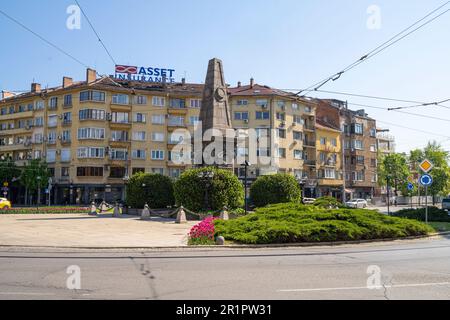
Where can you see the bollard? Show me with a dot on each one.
(93, 211)
(181, 216)
(220, 241)
(224, 214)
(145, 215)
(116, 213)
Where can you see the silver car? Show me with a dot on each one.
(357, 203)
(446, 204)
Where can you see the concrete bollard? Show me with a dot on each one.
(145, 215)
(220, 241)
(116, 212)
(181, 216)
(224, 214)
(93, 211)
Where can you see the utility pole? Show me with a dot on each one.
(388, 196)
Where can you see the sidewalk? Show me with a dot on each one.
(79, 230)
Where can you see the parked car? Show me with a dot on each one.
(308, 200)
(357, 203)
(5, 204)
(446, 204)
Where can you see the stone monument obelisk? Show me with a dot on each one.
(215, 111)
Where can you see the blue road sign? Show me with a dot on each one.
(410, 186)
(426, 180)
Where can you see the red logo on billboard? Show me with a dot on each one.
(126, 69)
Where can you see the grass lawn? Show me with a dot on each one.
(440, 226)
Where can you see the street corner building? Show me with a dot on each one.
(94, 134)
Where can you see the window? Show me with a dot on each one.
(241, 116)
(281, 116)
(38, 138)
(139, 117)
(281, 133)
(92, 114)
(53, 103)
(357, 128)
(360, 160)
(51, 137)
(140, 100)
(298, 154)
(65, 155)
(89, 171)
(281, 153)
(157, 155)
(323, 141)
(66, 136)
(158, 170)
(322, 157)
(334, 142)
(373, 132)
(176, 121)
(65, 172)
(242, 102)
(158, 101)
(174, 173)
(262, 115)
(22, 108)
(298, 119)
(177, 156)
(262, 103)
(194, 120)
(373, 163)
(52, 121)
(138, 154)
(138, 170)
(120, 99)
(90, 153)
(158, 119)
(51, 156)
(358, 144)
(120, 117)
(295, 106)
(118, 154)
(373, 148)
(308, 109)
(195, 103)
(67, 118)
(91, 133)
(347, 144)
(68, 100)
(119, 136)
(358, 176)
(281, 104)
(96, 96)
(330, 174)
(39, 105)
(158, 136)
(37, 154)
(139, 136)
(30, 107)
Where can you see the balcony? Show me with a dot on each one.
(23, 130)
(16, 147)
(331, 182)
(120, 125)
(309, 144)
(17, 115)
(309, 127)
(119, 143)
(310, 163)
(66, 141)
(120, 107)
(177, 110)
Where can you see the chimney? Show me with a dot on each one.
(35, 87)
(91, 75)
(239, 84)
(252, 82)
(67, 82)
(7, 94)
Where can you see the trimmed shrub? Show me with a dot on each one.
(225, 189)
(272, 189)
(296, 223)
(328, 203)
(157, 192)
(434, 214)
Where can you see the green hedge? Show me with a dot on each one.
(225, 190)
(296, 223)
(157, 193)
(272, 189)
(328, 202)
(434, 214)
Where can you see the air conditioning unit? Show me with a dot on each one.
(246, 121)
(61, 116)
(294, 124)
(264, 106)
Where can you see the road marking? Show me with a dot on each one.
(365, 288)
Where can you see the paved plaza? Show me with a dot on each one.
(80, 230)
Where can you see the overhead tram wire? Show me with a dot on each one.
(378, 49)
(414, 129)
(54, 45)
(96, 33)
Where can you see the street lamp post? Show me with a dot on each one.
(246, 165)
(388, 196)
(39, 191)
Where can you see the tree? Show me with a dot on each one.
(154, 189)
(273, 189)
(393, 171)
(222, 189)
(34, 176)
(8, 170)
(441, 170)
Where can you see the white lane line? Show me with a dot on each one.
(366, 288)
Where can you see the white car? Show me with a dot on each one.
(308, 200)
(357, 203)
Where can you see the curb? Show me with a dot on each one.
(243, 246)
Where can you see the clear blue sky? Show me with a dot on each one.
(284, 44)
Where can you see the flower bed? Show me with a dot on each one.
(202, 233)
(46, 210)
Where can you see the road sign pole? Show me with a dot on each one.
(426, 204)
(388, 196)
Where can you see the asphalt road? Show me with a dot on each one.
(418, 269)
